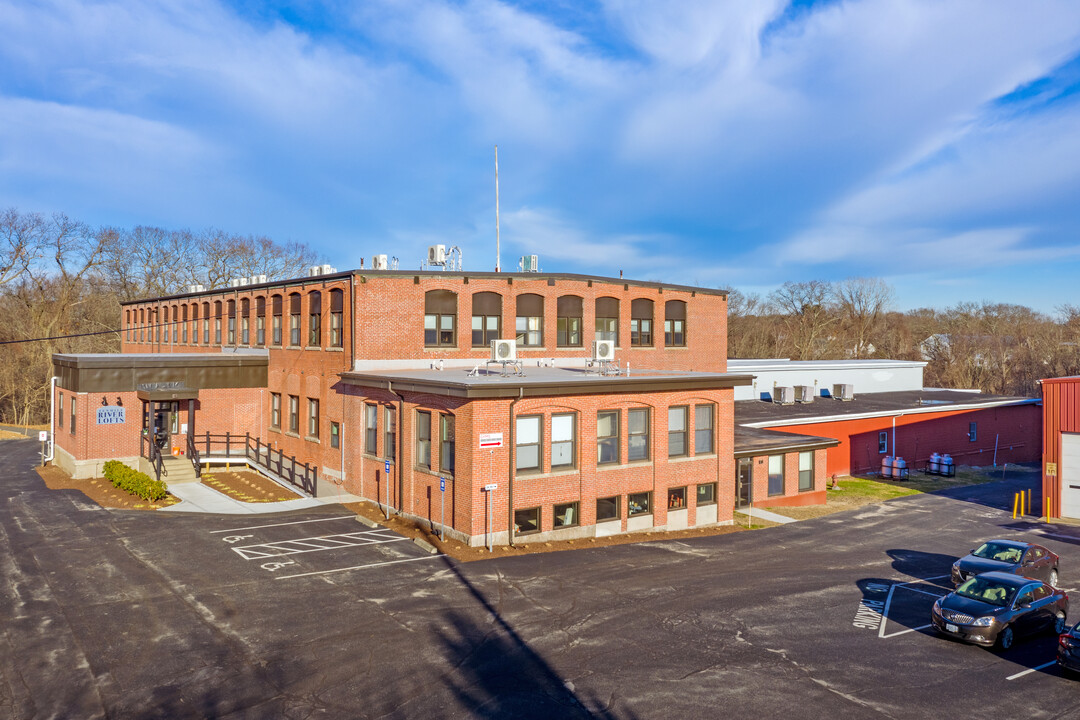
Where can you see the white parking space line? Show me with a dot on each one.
(888, 602)
(296, 546)
(357, 567)
(295, 522)
(901, 632)
(1031, 670)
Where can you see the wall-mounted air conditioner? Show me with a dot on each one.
(783, 395)
(804, 393)
(844, 391)
(436, 255)
(378, 262)
(603, 350)
(503, 350)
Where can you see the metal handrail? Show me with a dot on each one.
(153, 454)
(193, 456)
(302, 475)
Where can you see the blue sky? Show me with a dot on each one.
(933, 143)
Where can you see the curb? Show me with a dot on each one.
(364, 521)
(425, 545)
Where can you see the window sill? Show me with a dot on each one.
(274, 429)
(313, 347)
(433, 473)
(551, 474)
(608, 520)
(566, 527)
(675, 347)
(290, 433)
(334, 349)
(622, 466)
(642, 347)
(313, 439)
(706, 504)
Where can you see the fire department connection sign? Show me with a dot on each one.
(110, 415)
(490, 440)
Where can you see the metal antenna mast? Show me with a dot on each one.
(497, 267)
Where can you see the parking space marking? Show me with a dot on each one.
(888, 602)
(1031, 670)
(261, 551)
(295, 522)
(357, 567)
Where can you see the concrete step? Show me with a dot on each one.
(179, 470)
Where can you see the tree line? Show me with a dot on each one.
(994, 347)
(62, 282)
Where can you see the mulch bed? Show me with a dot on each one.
(464, 553)
(247, 486)
(100, 490)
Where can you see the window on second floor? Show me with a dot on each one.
(486, 318)
(530, 320)
(569, 321)
(607, 319)
(641, 319)
(675, 323)
(260, 321)
(294, 320)
(337, 318)
(314, 319)
(440, 318)
(275, 334)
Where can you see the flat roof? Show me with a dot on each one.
(291, 282)
(766, 364)
(490, 382)
(751, 441)
(759, 413)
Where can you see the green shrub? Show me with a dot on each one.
(132, 481)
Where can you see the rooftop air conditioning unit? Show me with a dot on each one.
(783, 395)
(378, 262)
(436, 255)
(235, 282)
(845, 391)
(195, 288)
(529, 263)
(257, 279)
(603, 350)
(314, 271)
(328, 270)
(503, 350)
(244, 281)
(804, 393)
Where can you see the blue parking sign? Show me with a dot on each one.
(388, 466)
(442, 484)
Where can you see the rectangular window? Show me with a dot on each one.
(607, 437)
(232, 330)
(371, 429)
(776, 475)
(390, 433)
(638, 434)
(973, 431)
(260, 331)
(71, 427)
(675, 333)
(335, 435)
(447, 446)
(882, 442)
(206, 323)
(60, 410)
(183, 330)
(706, 494)
(337, 318)
(439, 331)
(563, 433)
(676, 431)
(530, 331)
(275, 410)
(639, 504)
(294, 330)
(294, 414)
(806, 470)
(703, 429)
(217, 330)
(566, 515)
(607, 329)
(245, 330)
(676, 498)
(609, 508)
(527, 442)
(313, 418)
(314, 319)
(569, 332)
(275, 326)
(527, 521)
(485, 328)
(640, 332)
(423, 439)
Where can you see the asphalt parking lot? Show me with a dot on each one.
(311, 614)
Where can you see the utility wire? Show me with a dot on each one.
(88, 334)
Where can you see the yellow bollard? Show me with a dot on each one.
(1047, 508)
(1028, 493)
(1016, 503)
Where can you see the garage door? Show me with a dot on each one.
(1070, 475)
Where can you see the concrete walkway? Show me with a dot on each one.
(199, 498)
(765, 515)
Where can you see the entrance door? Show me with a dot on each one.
(1069, 472)
(162, 426)
(742, 482)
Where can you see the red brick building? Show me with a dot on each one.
(349, 374)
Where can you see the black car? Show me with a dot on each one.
(997, 607)
(1011, 556)
(1068, 654)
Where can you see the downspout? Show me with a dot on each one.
(52, 416)
(510, 469)
(400, 459)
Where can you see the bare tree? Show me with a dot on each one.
(808, 317)
(21, 235)
(863, 303)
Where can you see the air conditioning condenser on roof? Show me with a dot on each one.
(503, 350)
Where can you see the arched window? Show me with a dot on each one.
(165, 323)
(194, 323)
(217, 322)
(260, 321)
(486, 318)
(294, 319)
(530, 320)
(440, 318)
(232, 321)
(607, 319)
(675, 323)
(142, 323)
(184, 325)
(206, 323)
(275, 333)
(337, 317)
(641, 319)
(174, 334)
(569, 321)
(127, 324)
(314, 319)
(245, 321)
